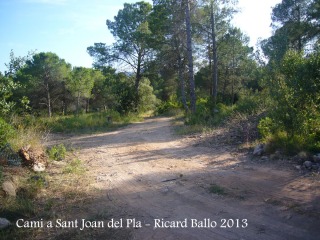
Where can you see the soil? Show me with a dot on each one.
(146, 172)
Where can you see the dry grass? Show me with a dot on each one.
(63, 192)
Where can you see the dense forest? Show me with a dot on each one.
(178, 55)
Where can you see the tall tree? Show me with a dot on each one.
(168, 27)
(190, 57)
(292, 17)
(235, 66)
(102, 94)
(131, 31)
(214, 24)
(43, 75)
(80, 84)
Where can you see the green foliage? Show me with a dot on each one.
(131, 30)
(294, 118)
(127, 101)
(89, 122)
(170, 106)
(57, 152)
(6, 132)
(81, 83)
(147, 99)
(43, 78)
(29, 131)
(202, 114)
(206, 115)
(125, 96)
(266, 127)
(74, 167)
(216, 189)
(7, 86)
(253, 102)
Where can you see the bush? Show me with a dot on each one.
(294, 120)
(266, 127)
(74, 167)
(57, 152)
(6, 132)
(205, 114)
(28, 131)
(169, 107)
(147, 99)
(89, 122)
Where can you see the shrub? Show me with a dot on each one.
(6, 132)
(89, 122)
(169, 107)
(294, 118)
(205, 114)
(147, 99)
(266, 127)
(28, 131)
(74, 167)
(57, 152)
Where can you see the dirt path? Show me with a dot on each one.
(148, 173)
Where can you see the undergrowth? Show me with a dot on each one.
(90, 122)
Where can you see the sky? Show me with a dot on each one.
(68, 27)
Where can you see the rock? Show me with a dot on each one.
(297, 160)
(301, 158)
(258, 150)
(38, 167)
(4, 223)
(298, 167)
(307, 164)
(316, 158)
(9, 188)
(276, 156)
(303, 155)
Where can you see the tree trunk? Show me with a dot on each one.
(137, 82)
(190, 58)
(182, 84)
(78, 103)
(225, 85)
(299, 26)
(210, 68)
(214, 56)
(233, 70)
(49, 101)
(138, 74)
(87, 105)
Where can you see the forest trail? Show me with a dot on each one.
(147, 172)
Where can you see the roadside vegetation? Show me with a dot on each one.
(271, 95)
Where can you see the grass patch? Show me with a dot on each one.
(216, 189)
(22, 206)
(90, 122)
(74, 167)
(27, 135)
(182, 129)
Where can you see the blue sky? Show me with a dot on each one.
(68, 27)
